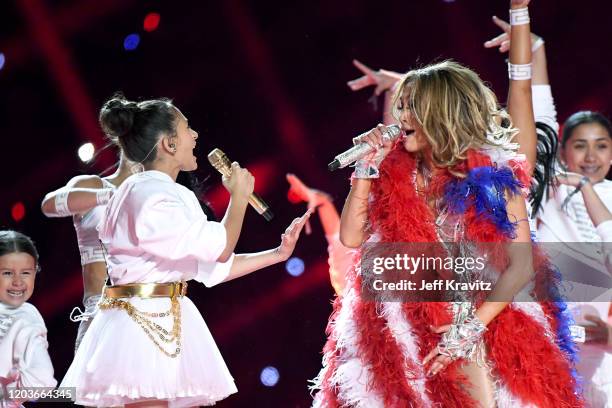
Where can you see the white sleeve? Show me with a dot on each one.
(165, 227)
(544, 106)
(31, 364)
(213, 273)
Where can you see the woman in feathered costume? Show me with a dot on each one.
(453, 177)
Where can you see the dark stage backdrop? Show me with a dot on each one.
(266, 82)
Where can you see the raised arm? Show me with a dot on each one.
(518, 40)
(519, 95)
(354, 216)
(318, 201)
(543, 102)
(383, 81)
(80, 195)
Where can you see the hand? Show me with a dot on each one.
(569, 179)
(601, 332)
(383, 79)
(379, 140)
(291, 235)
(440, 361)
(503, 40)
(298, 189)
(240, 183)
(11, 377)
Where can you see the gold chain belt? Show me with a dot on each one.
(112, 300)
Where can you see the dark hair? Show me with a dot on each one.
(13, 241)
(544, 170)
(138, 126)
(582, 118)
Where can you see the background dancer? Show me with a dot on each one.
(24, 360)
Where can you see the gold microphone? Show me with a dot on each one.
(219, 161)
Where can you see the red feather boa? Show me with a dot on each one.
(531, 366)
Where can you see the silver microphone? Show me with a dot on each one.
(219, 161)
(362, 149)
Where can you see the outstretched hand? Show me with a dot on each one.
(292, 233)
(297, 189)
(300, 191)
(502, 41)
(382, 79)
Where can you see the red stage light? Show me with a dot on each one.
(151, 22)
(18, 211)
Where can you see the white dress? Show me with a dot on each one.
(154, 231)
(24, 360)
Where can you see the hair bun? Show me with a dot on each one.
(117, 117)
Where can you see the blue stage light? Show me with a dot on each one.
(269, 376)
(295, 266)
(131, 42)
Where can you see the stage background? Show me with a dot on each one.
(266, 82)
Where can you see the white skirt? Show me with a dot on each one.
(117, 363)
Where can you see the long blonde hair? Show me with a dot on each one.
(455, 110)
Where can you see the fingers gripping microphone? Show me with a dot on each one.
(362, 149)
(219, 161)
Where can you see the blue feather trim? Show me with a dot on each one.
(484, 188)
(564, 320)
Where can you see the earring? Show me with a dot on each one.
(172, 147)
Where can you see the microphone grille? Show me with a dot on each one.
(394, 131)
(219, 161)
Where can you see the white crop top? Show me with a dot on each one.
(87, 234)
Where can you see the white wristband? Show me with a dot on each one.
(519, 16)
(365, 169)
(103, 195)
(61, 204)
(518, 72)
